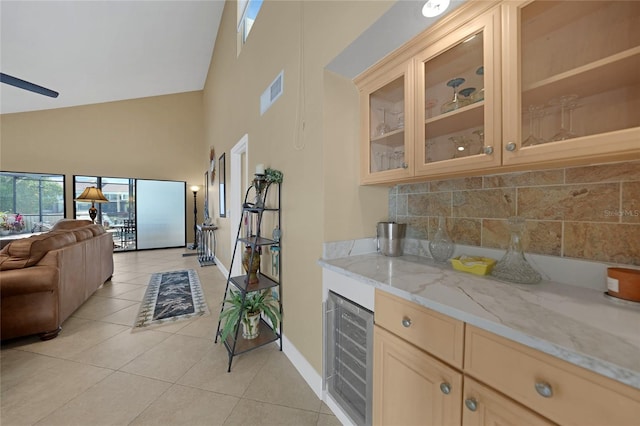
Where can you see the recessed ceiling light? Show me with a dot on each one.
(434, 8)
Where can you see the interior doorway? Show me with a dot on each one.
(237, 188)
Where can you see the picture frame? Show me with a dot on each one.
(222, 172)
(206, 197)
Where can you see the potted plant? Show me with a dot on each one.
(255, 303)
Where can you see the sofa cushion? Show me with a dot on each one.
(28, 251)
(82, 234)
(96, 229)
(70, 224)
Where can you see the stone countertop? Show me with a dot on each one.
(582, 326)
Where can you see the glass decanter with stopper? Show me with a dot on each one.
(513, 266)
(441, 246)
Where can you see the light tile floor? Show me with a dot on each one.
(99, 372)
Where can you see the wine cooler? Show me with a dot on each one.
(349, 357)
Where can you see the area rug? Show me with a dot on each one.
(170, 297)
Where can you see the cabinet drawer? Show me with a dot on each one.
(577, 396)
(435, 333)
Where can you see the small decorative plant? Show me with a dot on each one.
(11, 222)
(274, 176)
(255, 303)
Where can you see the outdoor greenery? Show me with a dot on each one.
(34, 196)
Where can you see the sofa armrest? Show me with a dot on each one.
(28, 280)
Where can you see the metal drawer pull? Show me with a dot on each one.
(544, 389)
(445, 388)
(471, 404)
(406, 322)
(510, 147)
(488, 150)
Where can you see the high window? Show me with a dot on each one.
(30, 202)
(247, 13)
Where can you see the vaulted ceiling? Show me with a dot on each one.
(101, 51)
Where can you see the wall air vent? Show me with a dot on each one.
(272, 93)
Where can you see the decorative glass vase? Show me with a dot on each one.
(441, 246)
(513, 267)
(252, 269)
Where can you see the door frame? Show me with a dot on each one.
(237, 186)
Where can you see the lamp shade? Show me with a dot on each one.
(92, 194)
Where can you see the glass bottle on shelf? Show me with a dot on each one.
(441, 246)
(513, 267)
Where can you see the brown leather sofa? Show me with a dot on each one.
(46, 277)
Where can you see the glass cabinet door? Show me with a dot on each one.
(457, 102)
(575, 90)
(387, 153)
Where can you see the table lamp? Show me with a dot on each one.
(92, 195)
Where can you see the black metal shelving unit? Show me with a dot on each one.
(254, 211)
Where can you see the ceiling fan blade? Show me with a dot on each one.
(22, 84)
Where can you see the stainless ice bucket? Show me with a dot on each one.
(390, 238)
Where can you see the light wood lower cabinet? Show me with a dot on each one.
(560, 391)
(505, 383)
(485, 407)
(410, 387)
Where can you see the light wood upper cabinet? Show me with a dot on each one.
(504, 86)
(410, 387)
(571, 80)
(386, 121)
(458, 100)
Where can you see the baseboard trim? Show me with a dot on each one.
(308, 373)
(221, 267)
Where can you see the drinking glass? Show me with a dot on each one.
(383, 128)
(534, 120)
(564, 132)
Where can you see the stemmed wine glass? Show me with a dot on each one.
(566, 102)
(466, 92)
(479, 95)
(383, 128)
(454, 103)
(534, 113)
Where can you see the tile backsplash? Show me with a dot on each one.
(590, 212)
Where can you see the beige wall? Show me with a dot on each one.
(310, 134)
(152, 138)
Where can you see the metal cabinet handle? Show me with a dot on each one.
(544, 389)
(488, 150)
(471, 404)
(445, 388)
(510, 147)
(406, 322)
(405, 165)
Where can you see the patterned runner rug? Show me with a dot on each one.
(171, 296)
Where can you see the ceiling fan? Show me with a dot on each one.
(22, 84)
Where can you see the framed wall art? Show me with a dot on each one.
(206, 197)
(222, 192)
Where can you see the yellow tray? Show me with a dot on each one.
(473, 264)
